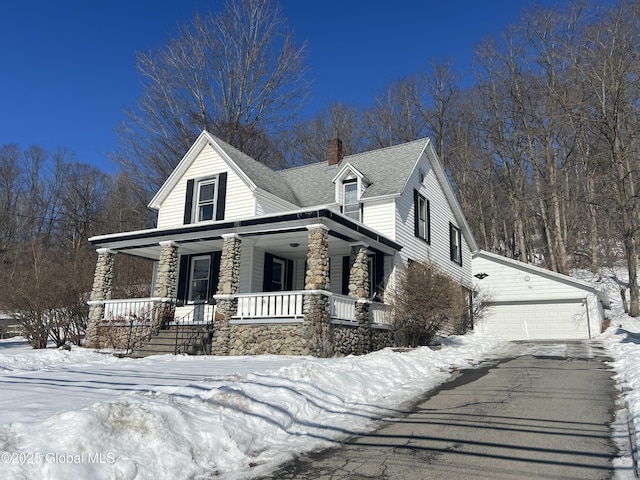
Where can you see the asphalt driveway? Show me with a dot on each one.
(543, 413)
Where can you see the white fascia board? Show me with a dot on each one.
(270, 196)
(203, 139)
(177, 173)
(388, 196)
(510, 262)
(353, 169)
(450, 195)
(115, 236)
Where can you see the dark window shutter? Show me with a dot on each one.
(416, 216)
(188, 203)
(289, 279)
(183, 277)
(222, 196)
(379, 280)
(428, 232)
(215, 273)
(268, 267)
(346, 260)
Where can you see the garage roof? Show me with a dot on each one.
(555, 276)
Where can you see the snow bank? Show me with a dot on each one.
(232, 426)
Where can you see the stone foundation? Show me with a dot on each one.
(291, 339)
(382, 338)
(121, 337)
(268, 339)
(347, 339)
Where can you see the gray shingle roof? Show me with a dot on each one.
(260, 174)
(386, 168)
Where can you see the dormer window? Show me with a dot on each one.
(351, 205)
(350, 186)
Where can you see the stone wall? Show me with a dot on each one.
(121, 337)
(382, 338)
(268, 339)
(347, 339)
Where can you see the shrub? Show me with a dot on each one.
(425, 301)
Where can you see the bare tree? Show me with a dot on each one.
(11, 178)
(397, 115)
(609, 62)
(307, 142)
(236, 73)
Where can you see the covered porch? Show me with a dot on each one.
(296, 283)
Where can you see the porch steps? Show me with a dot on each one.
(192, 340)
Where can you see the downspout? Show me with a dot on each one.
(586, 306)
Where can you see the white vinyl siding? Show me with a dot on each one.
(266, 205)
(208, 163)
(521, 296)
(380, 216)
(441, 215)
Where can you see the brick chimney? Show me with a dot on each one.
(335, 151)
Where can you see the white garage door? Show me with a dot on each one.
(537, 321)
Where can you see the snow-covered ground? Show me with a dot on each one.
(82, 414)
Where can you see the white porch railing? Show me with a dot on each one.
(194, 314)
(131, 310)
(342, 307)
(276, 305)
(380, 313)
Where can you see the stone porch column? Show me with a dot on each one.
(166, 275)
(166, 282)
(359, 288)
(316, 305)
(228, 286)
(101, 291)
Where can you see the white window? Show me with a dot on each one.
(199, 275)
(206, 200)
(422, 227)
(351, 205)
(455, 244)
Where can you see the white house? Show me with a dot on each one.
(531, 303)
(292, 261)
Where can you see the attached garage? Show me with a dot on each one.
(532, 303)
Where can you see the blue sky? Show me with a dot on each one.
(67, 67)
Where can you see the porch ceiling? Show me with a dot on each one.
(277, 234)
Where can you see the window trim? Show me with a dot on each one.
(192, 192)
(213, 202)
(455, 248)
(418, 197)
(192, 262)
(354, 206)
